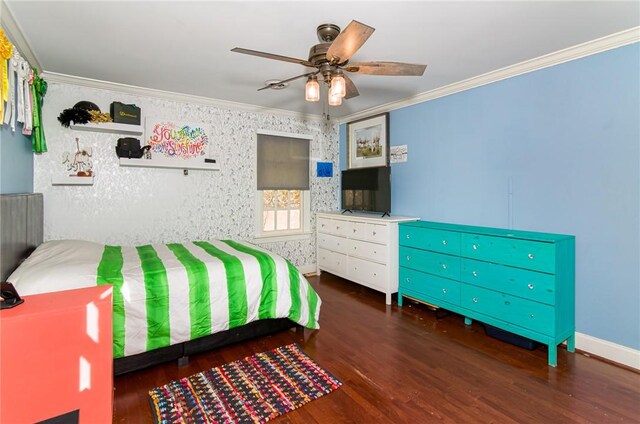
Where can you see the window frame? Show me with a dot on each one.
(305, 210)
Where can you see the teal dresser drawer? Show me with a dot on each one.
(430, 239)
(421, 284)
(433, 263)
(533, 285)
(521, 312)
(529, 254)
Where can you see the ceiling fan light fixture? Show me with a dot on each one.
(338, 84)
(334, 100)
(312, 89)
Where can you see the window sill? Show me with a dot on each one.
(282, 237)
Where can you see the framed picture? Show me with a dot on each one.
(368, 142)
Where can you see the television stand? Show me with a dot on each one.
(350, 211)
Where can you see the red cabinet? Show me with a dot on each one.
(56, 356)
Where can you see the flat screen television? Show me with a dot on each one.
(367, 189)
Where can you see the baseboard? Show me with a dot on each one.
(611, 351)
(307, 269)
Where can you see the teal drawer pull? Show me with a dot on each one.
(530, 255)
(444, 291)
(530, 286)
(408, 236)
(408, 279)
(475, 247)
(444, 266)
(444, 242)
(408, 257)
(475, 300)
(475, 273)
(531, 316)
(506, 302)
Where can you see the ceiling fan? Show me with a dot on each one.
(330, 58)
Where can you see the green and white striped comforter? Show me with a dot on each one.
(167, 294)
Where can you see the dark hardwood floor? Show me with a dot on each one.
(402, 365)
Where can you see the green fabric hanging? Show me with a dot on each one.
(38, 89)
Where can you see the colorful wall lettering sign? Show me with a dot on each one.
(172, 140)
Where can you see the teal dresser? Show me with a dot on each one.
(519, 281)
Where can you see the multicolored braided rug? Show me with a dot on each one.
(255, 389)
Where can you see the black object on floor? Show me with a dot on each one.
(511, 338)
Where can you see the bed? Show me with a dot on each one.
(170, 300)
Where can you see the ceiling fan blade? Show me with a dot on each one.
(386, 68)
(352, 91)
(348, 42)
(273, 56)
(288, 79)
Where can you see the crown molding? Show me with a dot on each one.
(599, 45)
(15, 35)
(169, 95)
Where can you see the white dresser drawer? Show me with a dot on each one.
(325, 258)
(366, 273)
(358, 230)
(367, 250)
(332, 261)
(378, 233)
(341, 228)
(324, 225)
(334, 243)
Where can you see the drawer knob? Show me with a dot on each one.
(531, 316)
(530, 286)
(338, 227)
(530, 255)
(375, 275)
(444, 266)
(408, 236)
(444, 242)
(475, 300)
(355, 247)
(374, 233)
(354, 230)
(475, 273)
(408, 279)
(375, 252)
(506, 302)
(475, 247)
(408, 258)
(444, 291)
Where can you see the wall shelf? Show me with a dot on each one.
(168, 163)
(72, 180)
(109, 127)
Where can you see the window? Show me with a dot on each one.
(281, 210)
(282, 185)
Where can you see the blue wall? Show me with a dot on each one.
(565, 141)
(16, 162)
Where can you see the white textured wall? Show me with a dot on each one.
(131, 206)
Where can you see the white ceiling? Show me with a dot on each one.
(184, 47)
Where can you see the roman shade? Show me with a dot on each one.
(283, 163)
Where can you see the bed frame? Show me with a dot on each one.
(21, 231)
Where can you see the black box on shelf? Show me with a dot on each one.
(511, 338)
(125, 114)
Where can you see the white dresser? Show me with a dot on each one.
(360, 247)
